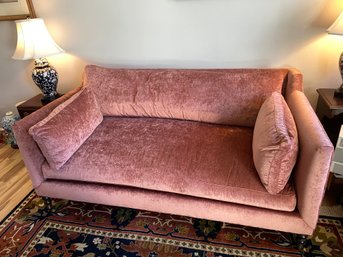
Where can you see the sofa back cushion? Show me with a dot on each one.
(67, 127)
(231, 97)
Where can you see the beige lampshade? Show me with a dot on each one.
(337, 27)
(34, 40)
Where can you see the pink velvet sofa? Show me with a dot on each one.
(180, 142)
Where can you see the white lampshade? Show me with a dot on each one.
(337, 27)
(34, 40)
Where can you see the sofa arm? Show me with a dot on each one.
(32, 156)
(294, 81)
(315, 153)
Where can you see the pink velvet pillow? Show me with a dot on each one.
(275, 143)
(65, 129)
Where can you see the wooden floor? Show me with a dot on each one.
(15, 183)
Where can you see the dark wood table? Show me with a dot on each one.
(327, 104)
(330, 112)
(30, 105)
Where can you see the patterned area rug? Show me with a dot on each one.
(80, 229)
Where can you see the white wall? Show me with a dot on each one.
(182, 34)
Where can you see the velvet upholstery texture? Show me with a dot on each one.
(275, 143)
(183, 157)
(231, 97)
(31, 153)
(312, 168)
(294, 82)
(66, 128)
(309, 174)
(165, 202)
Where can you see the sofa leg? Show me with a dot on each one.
(47, 202)
(302, 241)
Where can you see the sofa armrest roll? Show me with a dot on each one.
(315, 154)
(32, 156)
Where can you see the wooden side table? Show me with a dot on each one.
(328, 104)
(330, 112)
(30, 105)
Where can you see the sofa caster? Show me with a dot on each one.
(48, 203)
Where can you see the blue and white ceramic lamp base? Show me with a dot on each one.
(46, 78)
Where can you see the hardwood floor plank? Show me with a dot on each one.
(15, 183)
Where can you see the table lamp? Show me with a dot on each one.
(337, 29)
(35, 42)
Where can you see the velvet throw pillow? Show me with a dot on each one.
(275, 143)
(65, 129)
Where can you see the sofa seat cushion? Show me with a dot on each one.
(183, 157)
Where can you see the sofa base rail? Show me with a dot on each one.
(176, 204)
